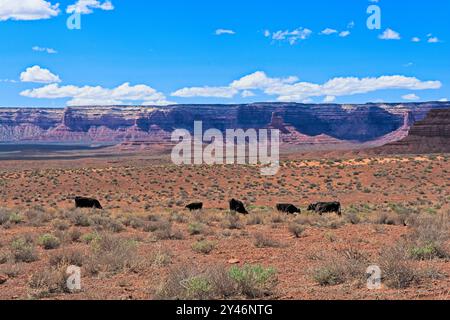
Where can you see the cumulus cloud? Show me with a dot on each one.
(292, 37)
(88, 95)
(88, 6)
(38, 75)
(329, 99)
(410, 97)
(212, 92)
(259, 80)
(290, 89)
(390, 34)
(220, 32)
(434, 40)
(27, 10)
(415, 39)
(41, 49)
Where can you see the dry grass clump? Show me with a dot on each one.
(340, 267)
(216, 282)
(68, 257)
(264, 241)
(397, 270)
(112, 254)
(296, 229)
(232, 221)
(24, 250)
(429, 237)
(204, 246)
(48, 282)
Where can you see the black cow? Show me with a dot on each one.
(238, 206)
(288, 208)
(324, 207)
(81, 202)
(195, 206)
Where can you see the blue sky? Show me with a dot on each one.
(173, 51)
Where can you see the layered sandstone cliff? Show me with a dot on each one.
(430, 135)
(299, 123)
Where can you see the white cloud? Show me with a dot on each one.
(259, 80)
(220, 32)
(415, 39)
(48, 50)
(443, 100)
(247, 94)
(390, 34)
(38, 75)
(290, 89)
(88, 95)
(87, 6)
(351, 25)
(328, 31)
(214, 92)
(329, 99)
(411, 97)
(290, 36)
(344, 34)
(8, 80)
(27, 10)
(434, 40)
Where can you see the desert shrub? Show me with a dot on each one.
(163, 231)
(232, 222)
(12, 270)
(353, 218)
(204, 246)
(4, 257)
(112, 254)
(68, 257)
(4, 216)
(132, 221)
(187, 282)
(263, 241)
(429, 237)
(48, 282)
(195, 228)
(255, 219)
(398, 272)
(60, 224)
(80, 219)
(391, 219)
(37, 216)
(90, 237)
(340, 267)
(105, 223)
(75, 235)
(161, 257)
(49, 241)
(254, 281)
(296, 229)
(15, 218)
(23, 250)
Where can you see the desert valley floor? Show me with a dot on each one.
(145, 245)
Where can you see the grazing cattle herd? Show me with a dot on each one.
(235, 205)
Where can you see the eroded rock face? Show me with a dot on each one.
(430, 135)
(116, 124)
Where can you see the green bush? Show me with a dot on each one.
(253, 280)
(49, 241)
(203, 246)
(23, 250)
